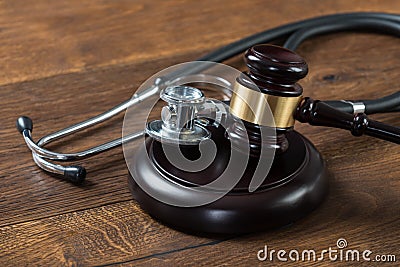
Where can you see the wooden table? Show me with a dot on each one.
(64, 61)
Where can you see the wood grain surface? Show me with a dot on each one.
(63, 62)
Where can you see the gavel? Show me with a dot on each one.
(266, 99)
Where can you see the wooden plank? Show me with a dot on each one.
(64, 62)
(114, 232)
(366, 216)
(54, 37)
(28, 193)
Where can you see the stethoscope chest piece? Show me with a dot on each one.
(177, 119)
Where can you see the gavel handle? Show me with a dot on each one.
(318, 113)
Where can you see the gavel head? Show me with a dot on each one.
(275, 71)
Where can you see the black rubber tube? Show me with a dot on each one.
(360, 24)
(270, 35)
(388, 103)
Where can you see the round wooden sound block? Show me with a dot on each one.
(296, 184)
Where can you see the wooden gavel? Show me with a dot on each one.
(275, 71)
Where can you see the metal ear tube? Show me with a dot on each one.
(76, 174)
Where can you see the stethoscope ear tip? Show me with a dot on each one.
(75, 174)
(24, 123)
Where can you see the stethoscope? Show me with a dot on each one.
(294, 33)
